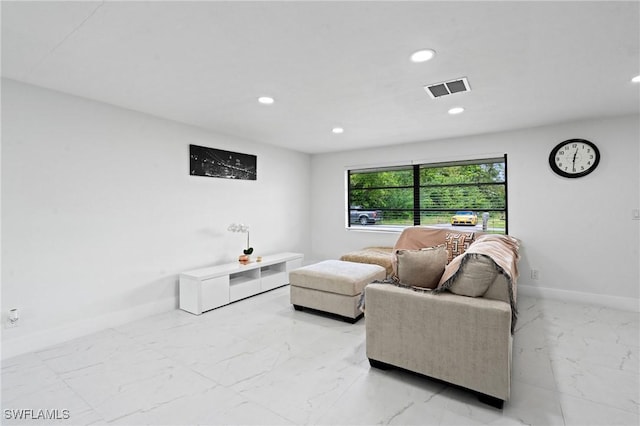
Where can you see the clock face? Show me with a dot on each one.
(574, 158)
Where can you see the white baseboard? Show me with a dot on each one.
(42, 339)
(613, 302)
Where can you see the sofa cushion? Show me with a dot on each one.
(476, 275)
(421, 268)
(457, 243)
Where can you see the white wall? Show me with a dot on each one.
(578, 233)
(100, 214)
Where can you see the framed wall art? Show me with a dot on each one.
(218, 163)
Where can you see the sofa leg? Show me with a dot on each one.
(298, 307)
(491, 400)
(379, 364)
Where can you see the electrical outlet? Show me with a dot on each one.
(635, 214)
(535, 274)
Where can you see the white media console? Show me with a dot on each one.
(209, 288)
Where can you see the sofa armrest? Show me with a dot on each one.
(499, 289)
(462, 340)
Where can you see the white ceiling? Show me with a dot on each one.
(333, 64)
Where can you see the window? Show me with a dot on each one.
(470, 194)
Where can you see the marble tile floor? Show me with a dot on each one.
(258, 361)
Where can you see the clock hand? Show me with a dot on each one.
(575, 154)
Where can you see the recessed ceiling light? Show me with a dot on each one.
(456, 110)
(423, 55)
(337, 130)
(636, 79)
(266, 100)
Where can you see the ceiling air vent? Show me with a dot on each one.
(448, 88)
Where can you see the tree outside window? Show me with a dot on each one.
(431, 194)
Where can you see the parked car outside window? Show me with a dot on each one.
(364, 217)
(464, 217)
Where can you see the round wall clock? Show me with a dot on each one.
(574, 158)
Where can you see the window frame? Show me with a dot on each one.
(416, 187)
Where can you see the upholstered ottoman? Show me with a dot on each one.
(333, 286)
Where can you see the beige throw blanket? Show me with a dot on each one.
(418, 237)
(503, 249)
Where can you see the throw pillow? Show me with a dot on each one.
(421, 268)
(474, 277)
(457, 243)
